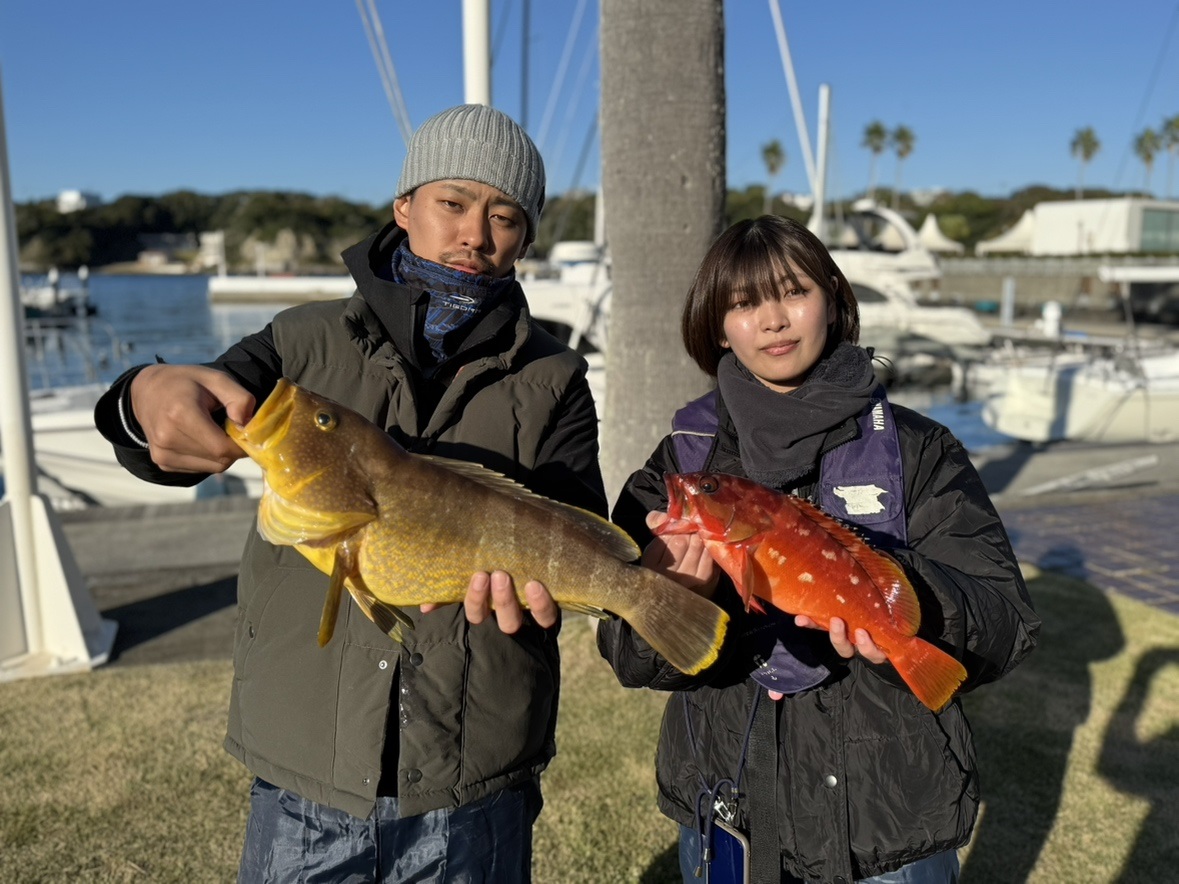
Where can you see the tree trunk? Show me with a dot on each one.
(663, 183)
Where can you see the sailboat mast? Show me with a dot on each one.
(526, 16)
(818, 224)
(804, 138)
(477, 51)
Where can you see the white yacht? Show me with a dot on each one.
(1127, 395)
(884, 260)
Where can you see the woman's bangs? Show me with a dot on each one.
(758, 275)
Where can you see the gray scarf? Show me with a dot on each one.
(780, 435)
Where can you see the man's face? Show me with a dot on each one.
(463, 224)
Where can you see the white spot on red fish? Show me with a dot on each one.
(829, 554)
(806, 577)
(841, 599)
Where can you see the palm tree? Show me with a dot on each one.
(876, 140)
(1084, 147)
(775, 158)
(902, 140)
(1171, 146)
(663, 183)
(1146, 144)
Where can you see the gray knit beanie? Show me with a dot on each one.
(478, 143)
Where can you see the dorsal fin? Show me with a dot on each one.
(888, 576)
(612, 538)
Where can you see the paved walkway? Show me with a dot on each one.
(1106, 514)
(1128, 545)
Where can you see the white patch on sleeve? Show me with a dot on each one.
(861, 500)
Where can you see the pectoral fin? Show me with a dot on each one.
(285, 523)
(737, 559)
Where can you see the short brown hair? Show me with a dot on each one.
(749, 259)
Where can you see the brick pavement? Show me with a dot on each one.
(1124, 544)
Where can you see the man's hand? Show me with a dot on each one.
(682, 557)
(495, 592)
(174, 405)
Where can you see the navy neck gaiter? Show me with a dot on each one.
(456, 299)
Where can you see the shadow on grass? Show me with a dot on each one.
(146, 620)
(1132, 765)
(665, 868)
(1024, 727)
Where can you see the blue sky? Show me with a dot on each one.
(127, 96)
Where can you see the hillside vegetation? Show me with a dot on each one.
(317, 229)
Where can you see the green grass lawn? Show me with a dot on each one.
(119, 775)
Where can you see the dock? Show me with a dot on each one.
(278, 289)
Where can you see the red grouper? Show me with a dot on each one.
(786, 551)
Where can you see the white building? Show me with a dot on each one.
(76, 200)
(1128, 225)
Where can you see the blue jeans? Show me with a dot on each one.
(290, 840)
(941, 868)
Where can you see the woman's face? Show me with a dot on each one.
(781, 339)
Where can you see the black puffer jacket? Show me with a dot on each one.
(868, 778)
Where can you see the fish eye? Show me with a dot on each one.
(325, 420)
(709, 484)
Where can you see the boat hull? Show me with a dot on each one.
(1094, 400)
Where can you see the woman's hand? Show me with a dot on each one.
(682, 557)
(847, 646)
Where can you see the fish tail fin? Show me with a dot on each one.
(685, 628)
(931, 673)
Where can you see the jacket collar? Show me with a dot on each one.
(398, 308)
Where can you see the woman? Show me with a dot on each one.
(865, 783)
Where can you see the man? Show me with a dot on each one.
(438, 346)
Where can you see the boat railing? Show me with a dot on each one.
(79, 350)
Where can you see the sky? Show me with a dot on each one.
(135, 97)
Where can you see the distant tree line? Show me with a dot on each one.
(324, 226)
(111, 233)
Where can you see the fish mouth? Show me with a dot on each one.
(677, 503)
(689, 512)
(270, 423)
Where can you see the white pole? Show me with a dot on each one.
(62, 631)
(477, 51)
(16, 434)
(818, 223)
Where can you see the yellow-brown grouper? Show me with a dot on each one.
(398, 529)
